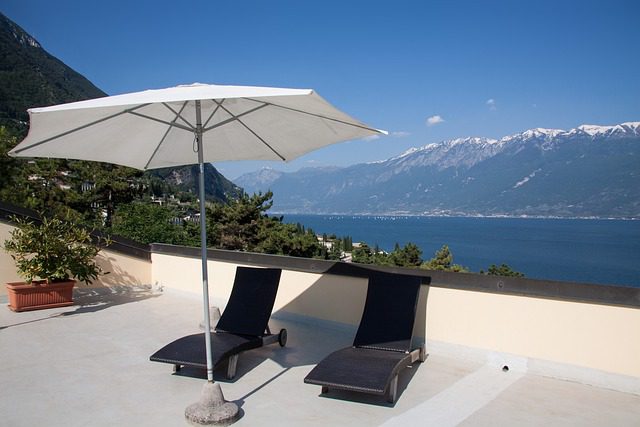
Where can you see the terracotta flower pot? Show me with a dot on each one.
(39, 295)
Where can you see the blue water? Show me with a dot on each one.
(596, 251)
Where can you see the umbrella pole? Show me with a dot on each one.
(203, 245)
(212, 408)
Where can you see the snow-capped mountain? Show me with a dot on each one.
(587, 171)
(453, 153)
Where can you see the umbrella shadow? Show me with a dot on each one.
(91, 300)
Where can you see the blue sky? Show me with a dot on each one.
(423, 70)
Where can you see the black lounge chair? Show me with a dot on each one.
(382, 346)
(243, 325)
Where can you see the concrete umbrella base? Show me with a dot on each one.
(212, 409)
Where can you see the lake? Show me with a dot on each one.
(579, 250)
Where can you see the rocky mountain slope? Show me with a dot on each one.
(31, 77)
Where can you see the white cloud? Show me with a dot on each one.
(434, 120)
(491, 103)
(400, 134)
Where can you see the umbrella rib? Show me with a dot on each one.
(104, 119)
(237, 118)
(178, 113)
(233, 118)
(212, 114)
(166, 132)
(321, 116)
(155, 119)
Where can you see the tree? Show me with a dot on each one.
(347, 244)
(102, 187)
(502, 270)
(243, 224)
(362, 254)
(9, 166)
(78, 190)
(276, 237)
(150, 223)
(407, 256)
(443, 260)
(236, 225)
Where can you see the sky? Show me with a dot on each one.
(425, 71)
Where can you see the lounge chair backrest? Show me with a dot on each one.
(251, 301)
(389, 312)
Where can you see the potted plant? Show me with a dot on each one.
(49, 255)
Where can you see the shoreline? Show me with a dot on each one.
(404, 215)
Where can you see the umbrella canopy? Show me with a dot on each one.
(166, 127)
(155, 128)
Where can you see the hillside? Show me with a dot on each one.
(31, 77)
(590, 171)
(185, 179)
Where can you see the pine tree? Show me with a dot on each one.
(502, 270)
(443, 260)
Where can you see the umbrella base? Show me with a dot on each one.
(212, 409)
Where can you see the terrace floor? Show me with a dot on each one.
(88, 365)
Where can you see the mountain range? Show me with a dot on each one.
(589, 171)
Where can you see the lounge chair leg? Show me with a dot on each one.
(423, 353)
(393, 390)
(231, 369)
(176, 368)
(325, 389)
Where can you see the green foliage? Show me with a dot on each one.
(407, 256)
(151, 223)
(243, 224)
(53, 250)
(9, 167)
(443, 260)
(97, 189)
(347, 243)
(85, 192)
(279, 238)
(362, 254)
(502, 270)
(235, 225)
